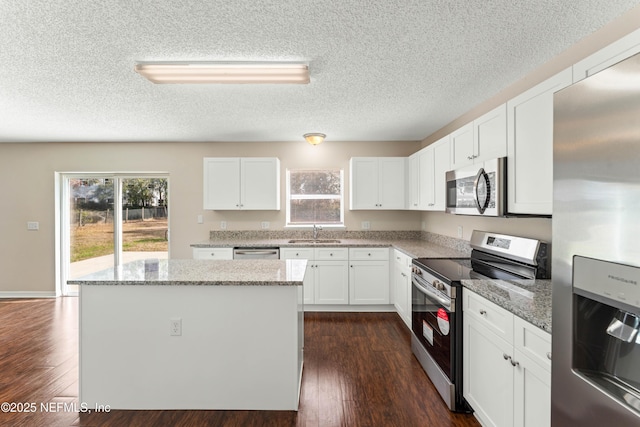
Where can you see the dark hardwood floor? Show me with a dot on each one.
(358, 371)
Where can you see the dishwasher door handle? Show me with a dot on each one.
(256, 252)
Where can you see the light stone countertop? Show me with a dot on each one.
(200, 272)
(528, 299)
(413, 248)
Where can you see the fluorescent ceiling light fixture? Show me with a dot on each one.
(224, 72)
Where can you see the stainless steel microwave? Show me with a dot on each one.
(478, 189)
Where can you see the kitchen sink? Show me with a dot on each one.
(314, 241)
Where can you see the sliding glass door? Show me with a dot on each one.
(111, 219)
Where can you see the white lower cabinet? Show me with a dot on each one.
(212, 253)
(368, 276)
(308, 286)
(401, 280)
(327, 277)
(506, 365)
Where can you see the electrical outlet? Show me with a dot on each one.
(265, 225)
(223, 225)
(175, 326)
(200, 219)
(366, 225)
(459, 232)
(424, 225)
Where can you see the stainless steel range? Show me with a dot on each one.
(436, 322)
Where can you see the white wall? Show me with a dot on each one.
(27, 262)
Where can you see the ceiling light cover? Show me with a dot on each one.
(314, 138)
(224, 72)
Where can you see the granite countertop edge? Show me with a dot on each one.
(412, 248)
(190, 272)
(538, 311)
(152, 282)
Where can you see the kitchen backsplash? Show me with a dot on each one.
(446, 241)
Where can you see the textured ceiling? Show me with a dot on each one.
(380, 70)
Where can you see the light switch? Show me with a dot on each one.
(33, 226)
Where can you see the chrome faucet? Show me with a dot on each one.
(316, 229)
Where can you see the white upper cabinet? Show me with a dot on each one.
(441, 164)
(427, 175)
(462, 146)
(530, 147)
(483, 139)
(419, 183)
(377, 182)
(606, 57)
(247, 183)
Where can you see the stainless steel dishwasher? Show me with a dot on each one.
(256, 253)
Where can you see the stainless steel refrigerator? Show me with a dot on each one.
(596, 250)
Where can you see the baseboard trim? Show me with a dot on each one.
(351, 308)
(28, 294)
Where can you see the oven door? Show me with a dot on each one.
(433, 320)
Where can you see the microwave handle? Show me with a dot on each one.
(481, 207)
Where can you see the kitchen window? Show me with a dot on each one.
(315, 197)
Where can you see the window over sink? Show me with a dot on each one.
(315, 197)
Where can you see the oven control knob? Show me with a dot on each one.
(416, 271)
(438, 285)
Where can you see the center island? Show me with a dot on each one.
(192, 334)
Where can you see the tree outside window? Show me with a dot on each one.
(315, 197)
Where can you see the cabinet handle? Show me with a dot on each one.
(368, 254)
(403, 275)
(506, 356)
(549, 355)
(469, 157)
(483, 312)
(514, 363)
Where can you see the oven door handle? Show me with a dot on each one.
(446, 303)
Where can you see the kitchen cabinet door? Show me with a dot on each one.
(532, 393)
(490, 135)
(402, 286)
(260, 183)
(421, 179)
(221, 183)
(368, 282)
(414, 181)
(331, 282)
(483, 139)
(530, 147)
(213, 253)
(251, 183)
(378, 183)
(462, 142)
(507, 366)
(441, 164)
(392, 182)
(488, 375)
